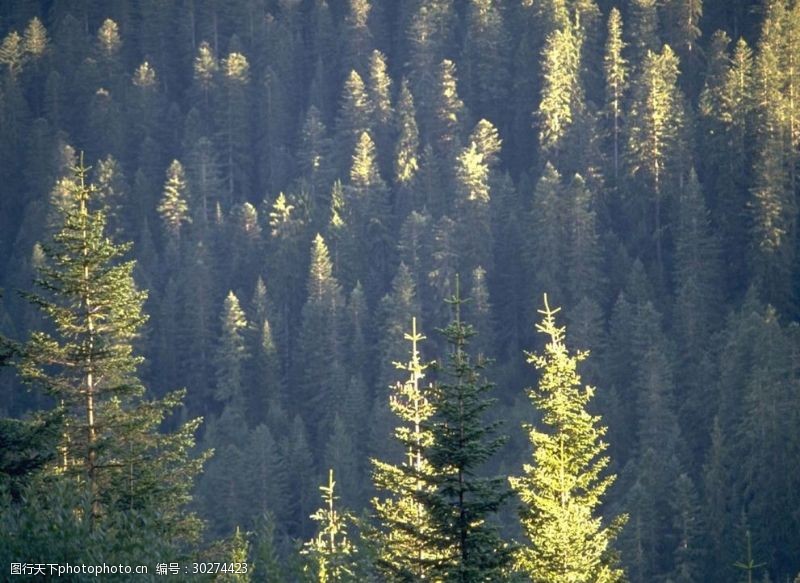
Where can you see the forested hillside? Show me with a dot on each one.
(316, 235)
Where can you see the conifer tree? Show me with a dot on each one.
(367, 219)
(404, 522)
(379, 90)
(267, 566)
(110, 444)
(233, 126)
(657, 145)
(315, 161)
(406, 164)
(353, 119)
(173, 208)
(562, 490)
(447, 125)
(460, 501)
(357, 37)
(395, 308)
(330, 553)
(231, 354)
(487, 56)
(546, 251)
(320, 336)
(562, 92)
(473, 198)
(616, 76)
(644, 30)
(299, 463)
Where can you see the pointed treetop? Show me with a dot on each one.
(548, 325)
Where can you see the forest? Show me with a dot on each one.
(393, 291)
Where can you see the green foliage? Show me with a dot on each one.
(562, 490)
(562, 93)
(330, 555)
(110, 455)
(231, 354)
(173, 208)
(404, 520)
(461, 502)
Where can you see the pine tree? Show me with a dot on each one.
(109, 441)
(447, 125)
(300, 468)
(546, 249)
(173, 208)
(379, 90)
(315, 152)
(615, 67)
(406, 157)
(395, 308)
(12, 53)
(460, 501)
(473, 198)
(367, 220)
(357, 36)
(231, 354)
(689, 549)
(681, 20)
(404, 523)
(353, 119)
(643, 31)
(320, 338)
(487, 55)
(34, 38)
(267, 566)
(562, 489)
(657, 145)
(235, 131)
(330, 553)
(562, 100)
(727, 109)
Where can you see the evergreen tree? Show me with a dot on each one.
(447, 125)
(315, 152)
(231, 354)
(173, 208)
(615, 67)
(404, 521)
(110, 442)
(644, 30)
(406, 160)
(320, 337)
(562, 489)
(396, 306)
(562, 92)
(300, 468)
(234, 129)
(473, 198)
(379, 90)
(657, 146)
(461, 502)
(330, 553)
(353, 119)
(487, 56)
(267, 565)
(546, 251)
(357, 37)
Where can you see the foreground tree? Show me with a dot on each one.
(404, 521)
(110, 452)
(469, 548)
(564, 486)
(330, 554)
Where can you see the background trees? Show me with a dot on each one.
(635, 160)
